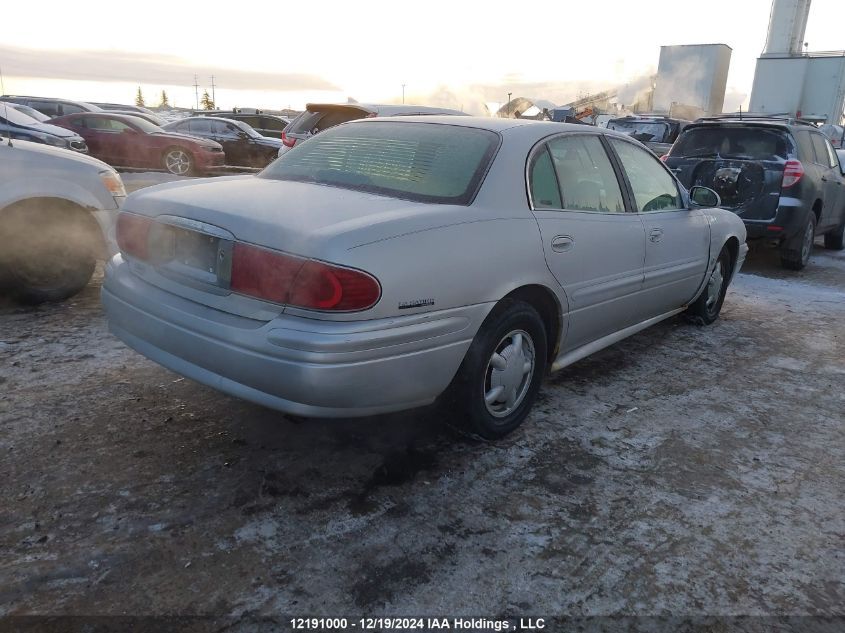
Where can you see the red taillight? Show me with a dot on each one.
(300, 282)
(287, 140)
(664, 158)
(132, 232)
(792, 172)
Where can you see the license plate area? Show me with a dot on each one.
(191, 257)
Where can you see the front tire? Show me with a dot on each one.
(796, 252)
(50, 251)
(835, 240)
(705, 310)
(498, 381)
(178, 161)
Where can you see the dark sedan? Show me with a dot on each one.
(123, 140)
(15, 124)
(244, 147)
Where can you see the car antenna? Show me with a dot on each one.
(5, 108)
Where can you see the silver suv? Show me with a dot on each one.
(321, 116)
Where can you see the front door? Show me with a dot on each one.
(594, 248)
(677, 247)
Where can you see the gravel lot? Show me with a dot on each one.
(686, 470)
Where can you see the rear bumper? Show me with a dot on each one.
(300, 366)
(788, 221)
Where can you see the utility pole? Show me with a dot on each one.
(403, 94)
(213, 97)
(196, 94)
(509, 103)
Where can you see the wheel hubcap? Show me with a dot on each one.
(714, 286)
(807, 247)
(509, 373)
(177, 162)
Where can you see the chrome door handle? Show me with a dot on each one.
(655, 235)
(562, 243)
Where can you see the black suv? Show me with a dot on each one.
(781, 176)
(656, 132)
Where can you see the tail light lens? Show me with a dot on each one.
(664, 158)
(132, 232)
(792, 172)
(299, 282)
(287, 140)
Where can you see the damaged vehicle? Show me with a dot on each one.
(654, 131)
(57, 211)
(387, 264)
(781, 176)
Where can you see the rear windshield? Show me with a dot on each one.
(414, 161)
(314, 121)
(750, 143)
(643, 131)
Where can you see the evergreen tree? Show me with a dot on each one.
(164, 102)
(139, 98)
(206, 102)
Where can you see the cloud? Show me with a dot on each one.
(143, 68)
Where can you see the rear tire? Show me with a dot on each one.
(50, 250)
(178, 161)
(835, 240)
(705, 310)
(498, 381)
(795, 253)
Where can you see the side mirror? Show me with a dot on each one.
(704, 197)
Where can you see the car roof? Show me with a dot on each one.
(758, 123)
(94, 108)
(208, 118)
(526, 127)
(384, 109)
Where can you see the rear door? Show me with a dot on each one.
(677, 247)
(830, 181)
(593, 246)
(742, 163)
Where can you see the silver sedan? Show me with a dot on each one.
(388, 264)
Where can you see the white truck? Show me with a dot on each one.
(57, 213)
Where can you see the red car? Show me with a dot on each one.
(123, 140)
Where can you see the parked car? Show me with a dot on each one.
(836, 134)
(57, 212)
(322, 116)
(17, 125)
(387, 263)
(30, 112)
(119, 107)
(243, 146)
(656, 132)
(269, 125)
(124, 140)
(151, 117)
(779, 175)
(52, 107)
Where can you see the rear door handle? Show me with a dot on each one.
(655, 235)
(562, 243)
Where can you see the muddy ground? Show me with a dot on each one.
(686, 470)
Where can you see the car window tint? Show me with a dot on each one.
(831, 153)
(820, 145)
(653, 186)
(544, 190)
(414, 161)
(805, 146)
(48, 108)
(269, 123)
(585, 174)
(747, 143)
(200, 126)
(69, 108)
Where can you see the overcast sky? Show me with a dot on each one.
(459, 53)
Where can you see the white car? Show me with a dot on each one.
(57, 212)
(387, 263)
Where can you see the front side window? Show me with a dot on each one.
(653, 186)
(585, 175)
(415, 161)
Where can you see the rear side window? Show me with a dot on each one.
(199, 126)
(823, 157)
(414, 161)
(586, 177)
(747, 143)
(69, 108)
(805, 146)
(653, 187)
(268, 123)
(49, 108)
(543, 181)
